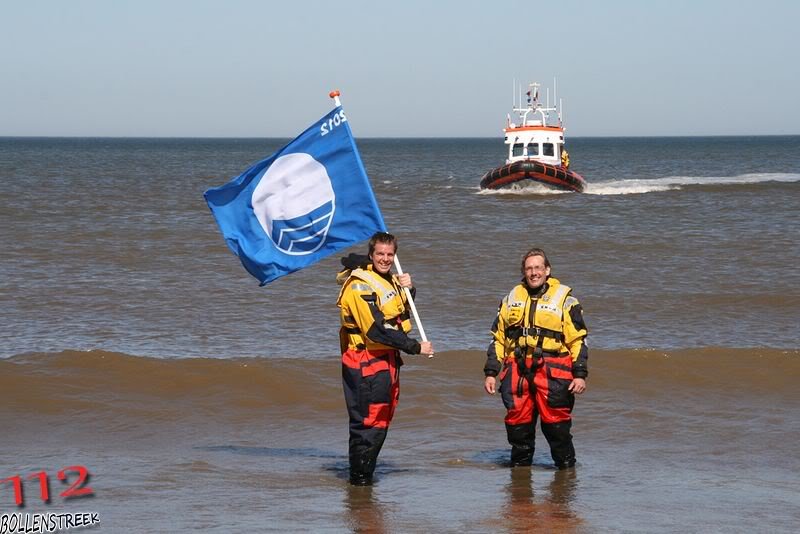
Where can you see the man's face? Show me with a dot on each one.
(535, 272)
(382, 257)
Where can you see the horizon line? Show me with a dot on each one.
(254, 137)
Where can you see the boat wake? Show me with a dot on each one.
(524, 187)
(669, 183)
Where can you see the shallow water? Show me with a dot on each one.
(665, 441)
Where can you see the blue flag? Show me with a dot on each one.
(304, 202)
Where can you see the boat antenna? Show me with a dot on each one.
(555, 91)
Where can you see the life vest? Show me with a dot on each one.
(389, 300)
(539, 328)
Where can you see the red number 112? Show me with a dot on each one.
(76, 489)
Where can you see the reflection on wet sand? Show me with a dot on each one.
(551, 512)
(365, 514)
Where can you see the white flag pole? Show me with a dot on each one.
(413, 306)
(335, 96)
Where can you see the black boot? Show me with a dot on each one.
(360, 479)
(522, 440)
(560, 440)
(362, 465)
(521, 457)
(364, 450)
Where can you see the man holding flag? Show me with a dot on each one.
(306, 201)
(375, 325)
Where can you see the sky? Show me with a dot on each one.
(413, 68)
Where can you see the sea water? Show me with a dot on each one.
(133, 343)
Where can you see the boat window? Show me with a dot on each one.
(548, 149)
(517, 149)
(533, 149)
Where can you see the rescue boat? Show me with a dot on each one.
(536, 151)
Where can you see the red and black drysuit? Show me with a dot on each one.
(375, 326)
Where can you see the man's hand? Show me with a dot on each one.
(426, 348)
(404, 280)
(490, 385)
(577, 386)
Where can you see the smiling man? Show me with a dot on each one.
(539, 355)
(375, 325)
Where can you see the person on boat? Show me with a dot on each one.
(564, 157)
(375, 325)
(539, 356)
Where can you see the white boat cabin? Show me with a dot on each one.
(534, 137)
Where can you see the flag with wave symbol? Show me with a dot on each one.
(308, 200)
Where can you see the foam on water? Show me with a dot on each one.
(523, 188)
(669, 183)
(632, 186)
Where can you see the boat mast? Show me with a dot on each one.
(534, 106)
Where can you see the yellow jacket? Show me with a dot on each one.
(373, 313)
(531, 323)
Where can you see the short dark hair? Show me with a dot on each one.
(533, 252)
(381, 237)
